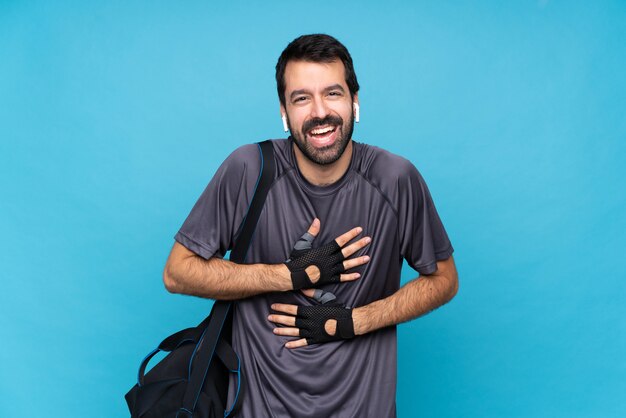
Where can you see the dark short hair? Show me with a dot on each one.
(315, 48)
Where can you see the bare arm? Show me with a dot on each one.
(412, 300)
(187, 273)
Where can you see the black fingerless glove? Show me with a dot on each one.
(328, 259)
(311, 321)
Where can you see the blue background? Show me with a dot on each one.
(114, 115)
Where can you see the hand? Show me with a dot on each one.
(317, 324)
(317, 266)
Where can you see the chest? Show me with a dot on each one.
(290, 209)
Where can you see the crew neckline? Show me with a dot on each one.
(321, 190)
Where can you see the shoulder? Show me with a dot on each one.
(245, 162)
(250, 154)
(243, 155)
(240, 169)
(383, 168)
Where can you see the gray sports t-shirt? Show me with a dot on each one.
(381, 192)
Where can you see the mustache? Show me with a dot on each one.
(328, 120)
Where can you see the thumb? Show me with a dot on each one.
(314, 229)
(306, 240)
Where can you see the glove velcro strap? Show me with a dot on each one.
(345, 327)
(300, 279)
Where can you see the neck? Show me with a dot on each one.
(323, 175)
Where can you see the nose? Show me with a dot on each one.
(319, 109)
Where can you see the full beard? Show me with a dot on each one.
(328, 154)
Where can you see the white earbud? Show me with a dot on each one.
(356, 112)
(285, 126)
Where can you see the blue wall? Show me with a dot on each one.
(114, 115)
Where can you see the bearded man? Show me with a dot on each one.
(316, 333)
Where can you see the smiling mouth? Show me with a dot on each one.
(322, 135)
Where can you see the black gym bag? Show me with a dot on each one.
(192, 380)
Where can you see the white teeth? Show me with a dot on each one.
(322, 130)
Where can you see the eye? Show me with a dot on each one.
(300, 99)
(335, 93)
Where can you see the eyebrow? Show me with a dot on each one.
(327, 89)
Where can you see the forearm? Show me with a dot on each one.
(219, 279)
(412, 300)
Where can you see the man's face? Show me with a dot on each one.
(319, 109)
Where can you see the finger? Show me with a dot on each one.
(355, 246)
(290, 321)
(308, 292)
(288, 309)
(314, 229)
(348, 277)
(287, 332)
(348, 236)
(297, 343)
(355, 262)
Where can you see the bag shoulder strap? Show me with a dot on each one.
(264, 182)
(238, 253)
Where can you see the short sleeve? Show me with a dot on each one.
(423, 239)
(210, 227)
